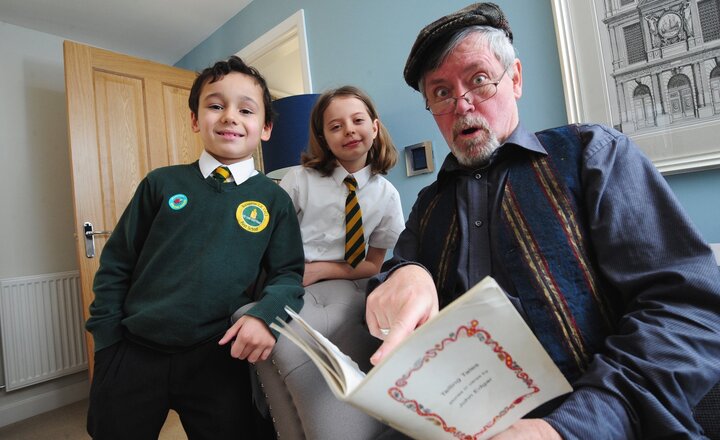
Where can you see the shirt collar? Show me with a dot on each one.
(361, 176)
(524, 139)
(520, 137)
(240, 171)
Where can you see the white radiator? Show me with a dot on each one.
(41, 325)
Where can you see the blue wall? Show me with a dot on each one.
(699, 193)
(366, 44)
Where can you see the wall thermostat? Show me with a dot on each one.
(419, 158)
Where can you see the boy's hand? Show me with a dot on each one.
(253, 339)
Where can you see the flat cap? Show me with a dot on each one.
(440, 30)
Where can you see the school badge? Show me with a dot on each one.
(177, 202)
(252, 216)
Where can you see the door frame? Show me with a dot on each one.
(291, 27)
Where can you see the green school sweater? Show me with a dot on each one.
(184, 252)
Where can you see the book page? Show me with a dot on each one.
(473, 370)
(341, 373)
(317, 355)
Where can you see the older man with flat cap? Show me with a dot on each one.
(576, 225)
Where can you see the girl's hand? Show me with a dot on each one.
(313, 273)
(339, 270)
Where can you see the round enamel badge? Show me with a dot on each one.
(252, 216)
(178, 202)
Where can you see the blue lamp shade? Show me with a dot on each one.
(290, 132)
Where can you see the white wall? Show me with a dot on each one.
(36, 213)
(36, 226)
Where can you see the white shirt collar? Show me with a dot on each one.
(240, 171)
(361, 176)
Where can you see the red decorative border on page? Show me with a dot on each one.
(484, 337)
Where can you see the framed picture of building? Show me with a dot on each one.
(649, 68)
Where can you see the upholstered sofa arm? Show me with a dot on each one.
(300, 402)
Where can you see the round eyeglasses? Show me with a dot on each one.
(479, 93)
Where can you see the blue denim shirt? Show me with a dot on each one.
(666, 353)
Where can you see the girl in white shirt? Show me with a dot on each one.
(346, 138)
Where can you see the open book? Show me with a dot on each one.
(469, 372)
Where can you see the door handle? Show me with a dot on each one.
(90, 238)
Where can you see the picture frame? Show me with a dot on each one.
(606, 80)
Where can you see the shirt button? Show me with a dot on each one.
(478, 223)
(478, 176)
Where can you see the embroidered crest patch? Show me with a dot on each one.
(178, 202)
(252, 216)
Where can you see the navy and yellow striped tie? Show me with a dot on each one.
(221, 174)
(354, 235)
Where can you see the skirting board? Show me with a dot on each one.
(40, 403)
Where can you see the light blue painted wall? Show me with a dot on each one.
(366, 44)
(699, 193)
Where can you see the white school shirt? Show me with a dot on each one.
(320, 206)
(239, 171)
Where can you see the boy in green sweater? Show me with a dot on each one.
(192, 240)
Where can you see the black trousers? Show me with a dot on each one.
(134, 387)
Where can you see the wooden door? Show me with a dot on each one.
(126, 116)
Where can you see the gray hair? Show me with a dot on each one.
(496, 40)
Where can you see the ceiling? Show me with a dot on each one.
(158, 30)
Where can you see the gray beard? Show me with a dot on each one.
(474, 153)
